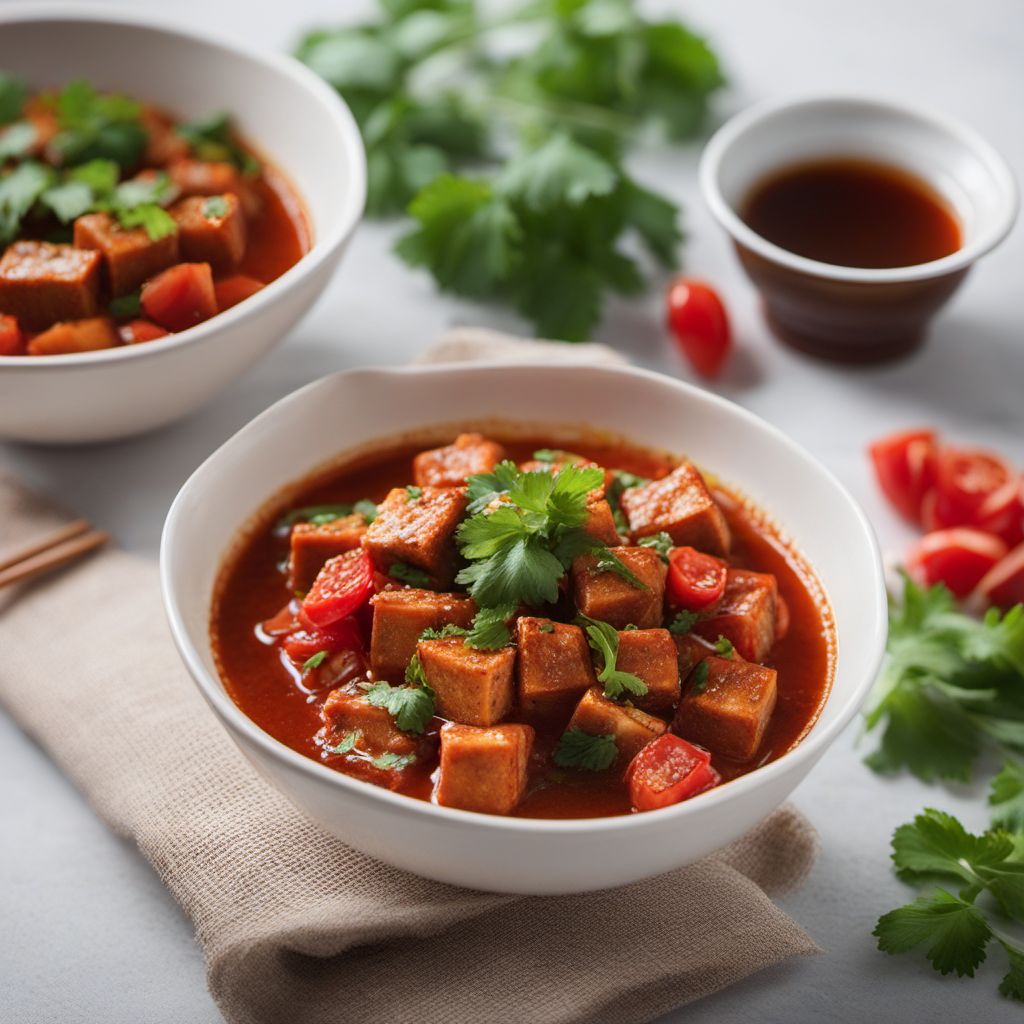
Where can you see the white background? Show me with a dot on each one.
(86, 931)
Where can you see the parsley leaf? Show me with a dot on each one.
(578, 749)
(683, 622)
(409, 574)
(412, 707)
(661, 542)
(604, 639)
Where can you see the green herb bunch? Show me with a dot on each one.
(505, 138)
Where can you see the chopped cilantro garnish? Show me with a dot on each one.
(604, 639)
(621, 481)
(661, 542)
(444, 632)
(413, 493)
(215, 207)
(366, 508)
(412, 707)
(630, 627)
(13, 94)
(724, 647)
(212, 138)
(125, 306)
(316, 514)
(314, 661)
(700, 677)
(348, 742)
(578, 749)
(683, 622)
(19, 191)
(554, 455)
(16, 140)
(409, 574)
(97, 126)
(546, 627)
(608, 561)
(393, 762)
(490, 630)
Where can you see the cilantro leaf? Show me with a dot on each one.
(409, 574)
(124, 306)
(559, 173)
(154, 219)
(314, 661)
(212, 138)
(661, 542)
(683, 622)
(955, 930)
(937, 844)
(608, 561)
(69, 200)
(724, 647)
(366, 508)
(1012, 985)
(578, 749)
(215, 207)
(621, 481)
(19, 191)
(97, 126)
(485, 488)
(393, 762)
(13, 94)
(412, 707)
(348, 742)
(312, 513)
(1006, 797)
(16, 140)
(490, 630)
(450, 629)
(699, 678)
(604, 639)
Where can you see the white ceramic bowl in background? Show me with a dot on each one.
(351, 410)
(284, 110)
(856, 313)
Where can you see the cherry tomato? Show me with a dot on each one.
(700, 324)
(1003, 584)
(11, 340)
(959, 557)
(667, 771)
(972, 487)
(695, 580)
(905, 468)
(344, 584)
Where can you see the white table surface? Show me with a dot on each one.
(87, 933)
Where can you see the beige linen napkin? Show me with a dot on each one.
(297, 928)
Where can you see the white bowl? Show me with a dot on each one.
(354, 409)
(289, 114)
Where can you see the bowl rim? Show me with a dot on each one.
(235, 720)
(324, 242)
(967, 138)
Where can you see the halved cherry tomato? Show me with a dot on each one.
(667, 771)
(232, 290)
(11, 340)
(959, 557)
(695, 580)
(697, 318)
(344, 584)
(973, 486)
(137, 331)
(180, 297)
(905, 468)
(1003, 584)
(343, 635)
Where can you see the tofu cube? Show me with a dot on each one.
(418, 530)
(606, 596)
(563, 459)
(42, 283)
(483, 769)
(553, 667)
(650, 654)
(313, 544)
(468, 455)
(729, 712)
(130, 256)
(472, 687)
(345, 711)
(90, 335)
(631, 727)
(690, 651)
(681, 505)
(163, 143)
(400, 616)
(600, 522)
(746, 613)
(212, 178)
(211, 229)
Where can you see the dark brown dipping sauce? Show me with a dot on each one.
(853, 213)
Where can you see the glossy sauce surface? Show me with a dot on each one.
(252, 589)
(853, 213)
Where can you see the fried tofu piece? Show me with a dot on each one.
(89, 335)
(554, 668)
(400, 616)
(600, 522)
(346, 711)
(650, 654)
(729, 712)
(312, 544)
(691, 650)
(472, 687)
(212, 178)
(211, 229)
(632, 728)
(483, 769)
(130, 256)
(680, 505)
(42, 283)
(163, 144)
(449, 466)
(560, 460)
(418, 529)
(746, 613)
(610, 598)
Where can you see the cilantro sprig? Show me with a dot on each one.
(604, 640)
(954, 928)
(578, 749)
(544, 117)
(96, 126)
(412, 707)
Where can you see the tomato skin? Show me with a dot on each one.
(12, 342)
(180, 297)
(697, 318)
(343, 635)
(973, 486)
(905, 469)
(1003, 584)
(343, 586)
(695, 580)
(667, 771)
(959, 557)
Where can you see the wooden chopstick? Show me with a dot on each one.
(55, 549)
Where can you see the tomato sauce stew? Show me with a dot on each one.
(505, 626)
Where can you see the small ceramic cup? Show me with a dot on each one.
(855, 314)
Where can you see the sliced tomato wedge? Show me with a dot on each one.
(695, 580)
(12, 343)
(905, 469)
(667, 771)
(343, 635)
(343, 586)
(959, 557)
(973, 486)
(180, 296)
(1003, 584)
